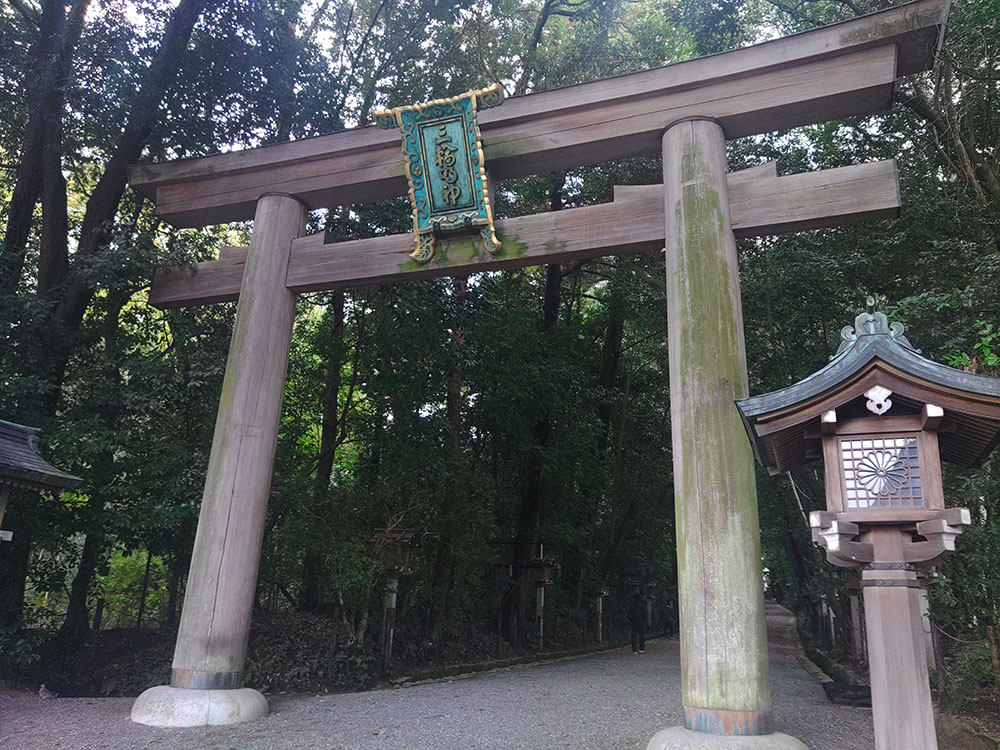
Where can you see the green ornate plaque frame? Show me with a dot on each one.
(445, 168)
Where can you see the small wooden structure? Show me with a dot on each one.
(524, 568)
(393, 547)
(882, 418)
(22, 465)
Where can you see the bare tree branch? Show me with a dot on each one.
(310, 33)
(28, 13)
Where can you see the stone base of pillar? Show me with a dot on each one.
(165, 706)
(679, 738)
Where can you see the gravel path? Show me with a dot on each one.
(608, 701)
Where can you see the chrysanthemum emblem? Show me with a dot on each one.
(882, 472)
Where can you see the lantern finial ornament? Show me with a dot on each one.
(871, 323)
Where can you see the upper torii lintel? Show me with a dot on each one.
(844, 69)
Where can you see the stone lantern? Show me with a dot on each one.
(882, 418)
(393, 548)
(539, 570)
(599, 611)
(22, 466)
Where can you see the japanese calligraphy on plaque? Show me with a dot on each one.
(445, 168)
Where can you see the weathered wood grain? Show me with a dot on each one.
(724, 680)
(811, 92)
(212, 639)
(760, 203)
(831, 72)
(200, 284)
(902, 711)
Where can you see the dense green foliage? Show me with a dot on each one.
(512, 407)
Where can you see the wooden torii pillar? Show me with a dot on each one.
(688, 110)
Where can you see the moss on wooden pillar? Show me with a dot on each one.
(723, 644)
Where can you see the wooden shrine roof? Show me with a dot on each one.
(783, 424)
(844, 69)
(22, 465)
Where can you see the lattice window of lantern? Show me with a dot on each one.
(881, 473)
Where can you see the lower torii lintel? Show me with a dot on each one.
(761, 203)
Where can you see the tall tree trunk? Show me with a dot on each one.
(53, 255)
(529, 60)
(76, 623)
(102, 206)
(444, 561)
(75, 626)
(283, 79)
(619, 524)
(51, 56)
(606, 379)
(330, 437)
(532, 489)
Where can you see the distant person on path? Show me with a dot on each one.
(667, 616)
(637, 621)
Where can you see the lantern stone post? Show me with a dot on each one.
(206, 684)
(724, 680)
(5, 536)
(902, 710)
(599, 612)
(389, 618)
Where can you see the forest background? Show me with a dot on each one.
(487, 413)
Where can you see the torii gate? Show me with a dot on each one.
(687, 109)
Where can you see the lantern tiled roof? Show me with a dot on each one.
(22, 465)
(784, 425)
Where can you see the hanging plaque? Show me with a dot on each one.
(445, 168)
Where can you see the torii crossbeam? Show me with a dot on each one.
(688, 110)
(760, 202)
